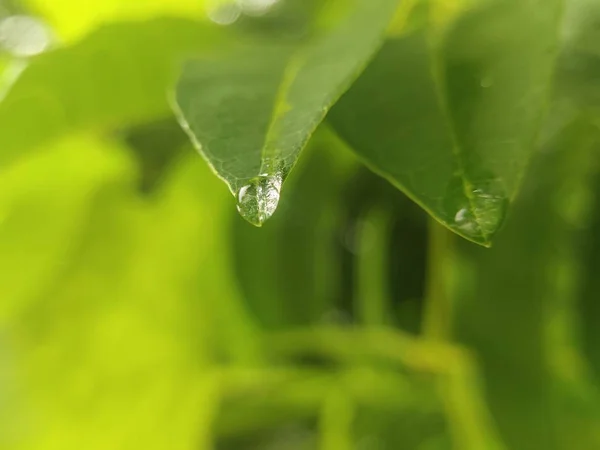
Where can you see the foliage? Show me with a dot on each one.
(139, 311)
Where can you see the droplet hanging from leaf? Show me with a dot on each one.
(450, 114)
(251, 112)
(258, 200)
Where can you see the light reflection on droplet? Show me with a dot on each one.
(461, 215)
(24, 35)
(225, 13)
(256, 7)
(465, 221)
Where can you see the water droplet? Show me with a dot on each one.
(484, 214)
(466, 222)
(258, 200)
(479, 216)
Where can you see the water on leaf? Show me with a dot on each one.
(483, 216)
(479, 213)
(258, 200)
(465, 222)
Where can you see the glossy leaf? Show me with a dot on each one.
(117, 76)
(450, 115)
(251, 112)
(517, 305)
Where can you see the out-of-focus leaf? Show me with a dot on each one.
(590, 289)
(73, 19)
(118, 350)
(251, 112)
(451, 117)
(119, 75)
(44, 202)
(517, 304)
(218, 302)
(579, 64)
(157, 146)
(276, 19)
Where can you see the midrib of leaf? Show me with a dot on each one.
(457, 150)
(281, 105)
(280, 108)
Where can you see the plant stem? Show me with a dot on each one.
(371, 285)
(437, 322)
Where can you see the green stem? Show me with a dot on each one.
(372, 302)
(438, 307)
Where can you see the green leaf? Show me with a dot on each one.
(517, 306)
(451, 116)
(252, 112)
(119, 75)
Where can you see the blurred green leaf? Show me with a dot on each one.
(576, 83)
(157, 145)
(451, 116)
(590, 287)
(117, 348)
(73, 19)
(251, 112)
(44, 202)
(117, 76)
